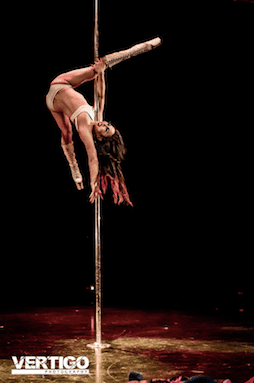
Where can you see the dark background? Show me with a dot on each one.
(185, 113)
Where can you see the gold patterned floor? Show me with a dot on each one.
(159, 344)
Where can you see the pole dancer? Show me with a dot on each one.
(103, 142)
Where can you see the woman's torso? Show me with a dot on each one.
(68, 100)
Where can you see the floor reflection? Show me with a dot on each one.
(157, 344)
(98, 374)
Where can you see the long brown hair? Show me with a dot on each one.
(111, 151)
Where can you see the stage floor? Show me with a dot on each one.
(160, 344)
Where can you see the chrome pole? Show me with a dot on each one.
(98, 268)
(97, 205)
(97, 210)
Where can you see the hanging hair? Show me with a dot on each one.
(111, 151)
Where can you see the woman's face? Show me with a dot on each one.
(105, 129)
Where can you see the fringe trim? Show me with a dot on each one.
(118, 187)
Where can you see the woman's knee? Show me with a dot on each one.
(66, 137)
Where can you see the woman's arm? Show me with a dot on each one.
(100, 83)
(100, 67)
(93, 162)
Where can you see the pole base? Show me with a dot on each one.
(96, 345)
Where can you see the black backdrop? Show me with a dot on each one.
(184, 112)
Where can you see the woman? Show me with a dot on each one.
(103, 142)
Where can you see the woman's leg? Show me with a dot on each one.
(77, 77)
(117, 57)
(68, 147)
(65, 126)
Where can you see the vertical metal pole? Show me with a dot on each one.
(97, 210)
(96, 30)
(98, 268)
